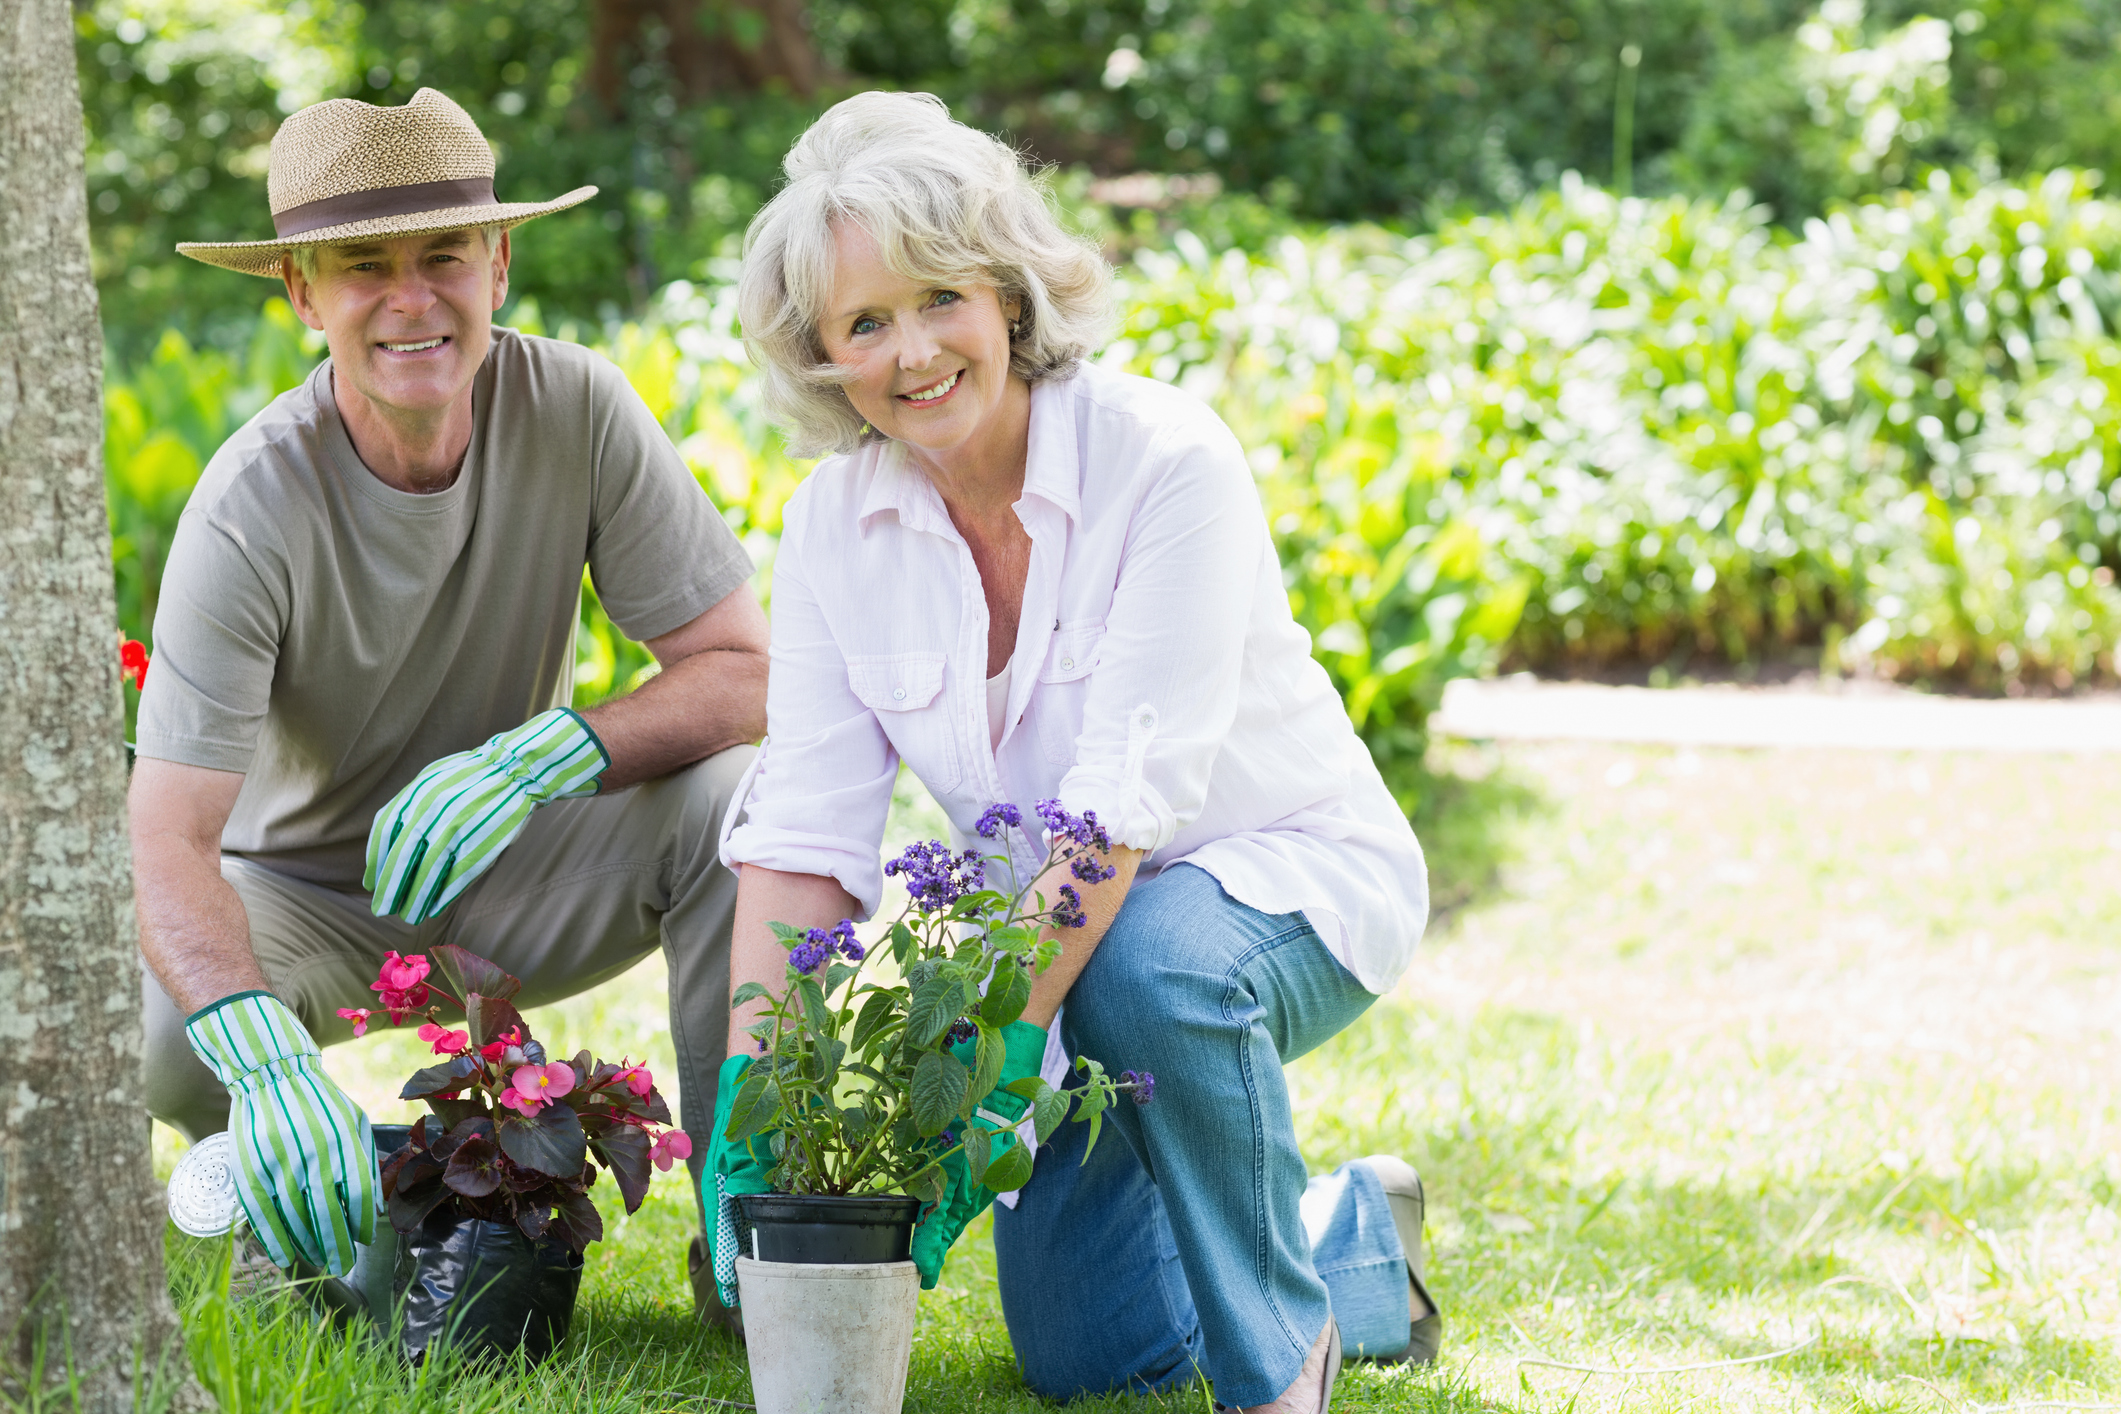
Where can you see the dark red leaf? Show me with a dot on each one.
(399, 1157)
(418, 1193)
(624, 1150)
(467, 972)
(449, 1075)
(534, 1221)
(577, 1222)
(475, 1168)
(490, 1018)
(552, 1143)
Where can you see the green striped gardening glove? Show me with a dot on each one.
(305, 1158)
(448, 827)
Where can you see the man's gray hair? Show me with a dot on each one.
(305, 256)
(945, 204)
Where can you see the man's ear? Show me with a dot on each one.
(500, 272)
(298, 293)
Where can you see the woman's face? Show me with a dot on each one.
(930, 362)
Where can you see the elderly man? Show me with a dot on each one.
(356, 739)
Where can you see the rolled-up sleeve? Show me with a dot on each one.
(1164, 693)
(822, 785)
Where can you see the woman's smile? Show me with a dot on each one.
(934, 392)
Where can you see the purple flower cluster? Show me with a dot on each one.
(1086, 868)
(820, 944)
(1141, 1085)
(1081, 830)
(936, 878)
(998, 818)
(1068, 913)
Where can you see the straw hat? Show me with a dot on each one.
(345, 171)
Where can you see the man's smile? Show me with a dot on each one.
(419, 346)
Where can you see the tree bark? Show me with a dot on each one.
(713, 48)
(80, 1223)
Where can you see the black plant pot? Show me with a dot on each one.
(484, 1287)
(819, 1230)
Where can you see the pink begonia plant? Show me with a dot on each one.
(514, 1135)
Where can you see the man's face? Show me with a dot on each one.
(408, 319)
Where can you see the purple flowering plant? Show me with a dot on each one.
(872, 1062)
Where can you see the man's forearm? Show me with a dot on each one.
(696, 706)
(193, 930)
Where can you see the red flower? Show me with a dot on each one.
(401, 986)
(673, 1146)
(445, 1041)
(132, 663)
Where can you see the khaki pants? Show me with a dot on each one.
(585, 892)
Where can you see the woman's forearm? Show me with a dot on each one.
(1100, 906)
(769, 896)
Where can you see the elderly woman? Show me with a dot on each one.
(1028, 577)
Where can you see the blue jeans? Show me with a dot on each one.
(1189, 1246)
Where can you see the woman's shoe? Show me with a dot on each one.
(1403, 1192)
(1290, 1400)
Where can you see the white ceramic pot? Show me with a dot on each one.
(828, 1339)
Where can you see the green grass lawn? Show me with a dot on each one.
(1745, 1050)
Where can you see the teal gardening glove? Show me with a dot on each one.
(734, 1167)
(999, 1112)
(305, 1158)
(449, 825)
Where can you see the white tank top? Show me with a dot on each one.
(997, 705)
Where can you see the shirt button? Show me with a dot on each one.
(1067, 663)
(898, 694)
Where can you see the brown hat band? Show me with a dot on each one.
(383, 201)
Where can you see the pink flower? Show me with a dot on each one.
(401, 985)
(534, 1085)
(445, 1042)
(675, 1145)
(637, 1079)
(358, 1017)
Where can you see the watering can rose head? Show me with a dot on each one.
(513, 1135)
(873, 1061)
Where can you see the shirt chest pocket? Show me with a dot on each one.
(905, 691)
(1063, 683)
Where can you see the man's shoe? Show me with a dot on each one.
(706, 1301)
(1403, 1192)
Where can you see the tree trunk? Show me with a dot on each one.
(80, 1222)
(712, 48)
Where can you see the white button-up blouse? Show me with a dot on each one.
(1158, 678)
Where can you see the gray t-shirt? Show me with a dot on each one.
(329, 636)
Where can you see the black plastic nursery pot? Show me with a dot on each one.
(484, 1287)
(820, 1230)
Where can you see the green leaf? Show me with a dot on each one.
(816, 1015)
(936, 1003)
(993, 1050)
(836, 977)
(1090, 1106)
(757, 1105)
(927, 1185)
(1010, 1169)
(1049, 1107)
(881, 1007)
(978, 1146)
(788, 936)
(903, 943)
(938, 1092)
(749, 992)
(1007, 995)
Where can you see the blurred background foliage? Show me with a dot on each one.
(1577, 335)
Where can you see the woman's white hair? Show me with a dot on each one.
(946, 204)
